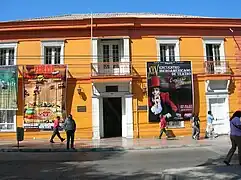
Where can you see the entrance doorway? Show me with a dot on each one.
(112, 117)
(220, 111)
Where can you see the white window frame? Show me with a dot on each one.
(53, 43)
(214, 41)
(10, 45)
(168, 41)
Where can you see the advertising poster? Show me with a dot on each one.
(8, 87)
(169, 90)
(44, 95)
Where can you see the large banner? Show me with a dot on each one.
(170, 90)
(8, 87)
(44, 95)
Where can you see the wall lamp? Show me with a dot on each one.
(79, 90)
(144, 90)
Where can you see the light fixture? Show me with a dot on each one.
(144, 90)
(79, 90)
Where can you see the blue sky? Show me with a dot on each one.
(22, 9)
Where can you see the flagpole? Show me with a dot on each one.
(91, 33)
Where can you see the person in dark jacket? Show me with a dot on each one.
(70, 127)
(235, 137)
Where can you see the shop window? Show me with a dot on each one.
(8, 53)
(53, 52)
(168, 49)
(7, 120)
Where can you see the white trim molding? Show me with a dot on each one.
(168, 41)
(10, 45)
(220, 41)
(53, 43)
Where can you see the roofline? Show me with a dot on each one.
(122, 21)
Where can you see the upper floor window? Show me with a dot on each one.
(168, 49)
(110, 53)
(214, 49)
(8, 53)
(52, 52)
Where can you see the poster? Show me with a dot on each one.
(169, 90)
(8, 87)
(44, 95)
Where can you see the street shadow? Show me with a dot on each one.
(67, 166)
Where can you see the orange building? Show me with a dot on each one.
(106, 57)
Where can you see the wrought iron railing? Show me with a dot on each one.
(217, 67)
(111, 69)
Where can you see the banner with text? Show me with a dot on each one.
(44, 95)
(8, 87)
(169, 90)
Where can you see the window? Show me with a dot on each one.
(7, 56)
(213, 52)
(168, 49)
(7, 120)
(53, 52)
(214, 49)
(110, 52)
(167, 52)
(214, 56)
(8, 53)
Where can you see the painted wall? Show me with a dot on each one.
(143, 49)
(191, 49)
(77, 52)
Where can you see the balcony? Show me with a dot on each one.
(217, 67)
(107, 69)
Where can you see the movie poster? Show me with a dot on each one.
(169, 90)
(8, 87)
(44, 95)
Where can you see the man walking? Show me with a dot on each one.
(195, 122)
(209, 128)
(56, 130)
(70, 127)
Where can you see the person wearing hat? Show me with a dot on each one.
(160, 102)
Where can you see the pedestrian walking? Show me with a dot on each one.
(163, 125)
(235, 137)
(70, 127)
(209, 128)
(56, 130)
(195, 122)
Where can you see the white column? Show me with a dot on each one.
(94, 45)
(129, 116)
(125, 69)
(124, 122)
(95, 117)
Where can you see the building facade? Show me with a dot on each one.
(105, 57)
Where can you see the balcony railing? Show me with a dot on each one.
(111, 69)
(217, 67)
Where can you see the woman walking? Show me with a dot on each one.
(235, 137)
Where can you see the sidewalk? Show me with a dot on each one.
(112, 144)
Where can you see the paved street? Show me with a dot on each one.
(174, 163)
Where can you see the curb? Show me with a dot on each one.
(101, 149)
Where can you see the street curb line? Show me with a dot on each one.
(100, 149)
